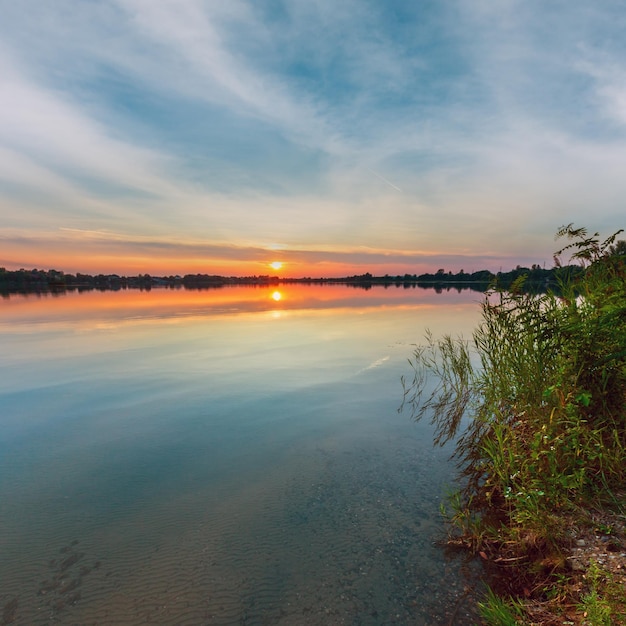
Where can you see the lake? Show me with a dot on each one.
(226, 456)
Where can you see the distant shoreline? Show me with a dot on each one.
(42, 281)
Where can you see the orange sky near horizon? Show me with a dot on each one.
(98, 255)
(71, 259)
(131, 266)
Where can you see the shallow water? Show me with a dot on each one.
(230, 456)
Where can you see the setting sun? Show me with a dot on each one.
(276, 265)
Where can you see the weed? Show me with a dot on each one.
(595, 609)
(496, 611)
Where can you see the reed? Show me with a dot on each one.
(535, 405)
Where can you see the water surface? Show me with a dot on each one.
(229, 456)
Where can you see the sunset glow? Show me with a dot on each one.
(276, 265)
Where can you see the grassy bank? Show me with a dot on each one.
(535, 405)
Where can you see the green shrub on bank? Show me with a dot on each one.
(536, 401)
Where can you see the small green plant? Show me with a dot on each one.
(496, 611)
(595, 609)
(603, 529)
(554, 589)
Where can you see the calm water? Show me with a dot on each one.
(232, 456)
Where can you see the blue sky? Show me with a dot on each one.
(336, 136)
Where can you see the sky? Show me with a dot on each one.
(335, 136)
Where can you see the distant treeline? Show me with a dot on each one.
(535, 278)
(40, 281)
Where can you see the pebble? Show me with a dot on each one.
(575, 564)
